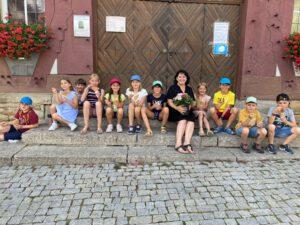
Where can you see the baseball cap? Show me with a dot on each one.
(251, 99)
(114, 80)
(135, 77)
(26, 100)
(157, 83)
(225, 80)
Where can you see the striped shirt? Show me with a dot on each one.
(92, 97)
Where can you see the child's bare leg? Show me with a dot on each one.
(56, 117)
(86, 116)
(99, 116)
(1, 137)
(244, 135)
(232, 117)
(296, 133)
(131, 114)
(120, 115)
(145, 119)
(200, 118)
(52, 109)
(262, 133)
(164, 116)
(137, 114)
(4, 129)
(206, 123)
(109, 115)
(271, 133)
(215, 117)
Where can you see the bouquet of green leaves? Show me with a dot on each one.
(183, 99)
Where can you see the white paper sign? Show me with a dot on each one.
(221, 30)
(82, 26)
(115, 24)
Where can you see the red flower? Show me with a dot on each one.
(19, 38)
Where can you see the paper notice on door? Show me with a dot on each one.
(221, 31)
(115, 24)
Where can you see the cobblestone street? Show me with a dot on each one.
(217, 193)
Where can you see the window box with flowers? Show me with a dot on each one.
(21, 44)
(292, 51)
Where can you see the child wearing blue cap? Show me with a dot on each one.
(224, 109)
(137, 98)
(25, 119)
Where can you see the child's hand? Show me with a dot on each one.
(157, 106)
(18, 126)
(54, 90)
(283, 119)
(108, 103)
(260, 124)
(98, 94)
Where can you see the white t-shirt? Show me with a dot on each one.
(137, 96)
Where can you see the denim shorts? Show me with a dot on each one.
(253, 132)
(283, 132)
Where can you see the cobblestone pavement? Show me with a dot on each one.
(218, 193)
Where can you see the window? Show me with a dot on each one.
(296, 17)
(27, 11)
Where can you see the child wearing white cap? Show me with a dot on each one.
(250, 124)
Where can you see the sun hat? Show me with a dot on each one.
(135, 77)
(114, 80)
(26, 100)
(157, 83)
(225, 80)
(251, 99)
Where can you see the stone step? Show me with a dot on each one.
(64, 137)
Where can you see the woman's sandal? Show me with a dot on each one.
(149, 133)
(180, 149)
(189, 148)
(84, 130)
(163, 130)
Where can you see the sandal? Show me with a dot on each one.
(180, 149)
(189, 148)
(84, 130)
(209, 133)
(99, 131)
(201, 134)
(163, 129)
(149, 133)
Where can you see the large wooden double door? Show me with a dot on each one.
(163, 37)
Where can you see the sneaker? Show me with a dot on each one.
(271, 148)
(258, 148)
(53, 126)
(131, 130)
(11, 141)
(138, 129)
(229, 131)
(119, 128)
(286, 148)
(245, 148)
(218, 130)
(73, 126)
(109, 128)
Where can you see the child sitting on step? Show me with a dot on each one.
(92, 98)
(156, 108)
(25, 119)
(65, 107)
(250, 124)
(114, 102)
(79, 89)
(202, 103)
(137, 98)
(224, 109)
(282, 123)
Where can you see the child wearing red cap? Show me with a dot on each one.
(114, 102)
(25, 119)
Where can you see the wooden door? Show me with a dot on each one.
(213, 67)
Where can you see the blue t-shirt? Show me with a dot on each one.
(289, 114)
